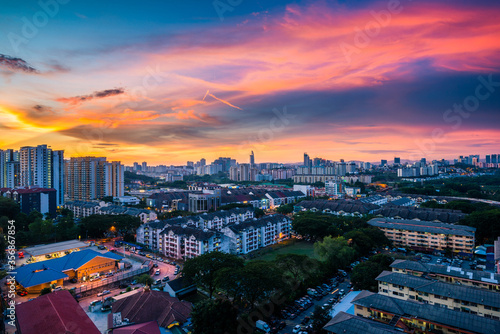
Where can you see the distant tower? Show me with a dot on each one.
(252, 160)
(307, 160)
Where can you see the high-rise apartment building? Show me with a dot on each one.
(89, 178)
(397, 161)
(252, 159)
(307, 160)
(33, 166)
(494, 158)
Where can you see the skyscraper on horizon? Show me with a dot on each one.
(252, 160)
(89, 178)
(307, 160)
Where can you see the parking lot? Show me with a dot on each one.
(328, 298)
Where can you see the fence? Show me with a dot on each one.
(113, 279)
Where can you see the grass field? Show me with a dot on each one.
(292, 247)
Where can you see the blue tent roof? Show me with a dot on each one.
(51, 270)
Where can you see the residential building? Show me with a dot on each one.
(377, 200)
(427, 235)
(453, 296)
(33, 199)
(82, 209)
(247, 236)
(449, 274)
(149, 234)
(415, 317)
(337, 207)
(89, 178)
(185, 242)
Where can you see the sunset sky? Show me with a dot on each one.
(171, 81)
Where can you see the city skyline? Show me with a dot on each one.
(365, 81)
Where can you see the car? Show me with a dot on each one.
(296, 329)
(157, 282)
(293, 315)
(157, 272)
(48, 256)
(101, 247)
(142, 253)
(331, 300)
(305, 320)
(22, 293)
(73, 280)
(57, 288)
(105, 292)
(165, 279)
(134, 282)
(106, 308)
(155, 265)
(95, 302)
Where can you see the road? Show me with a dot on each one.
(291, 323)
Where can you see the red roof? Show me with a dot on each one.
(54, 313)
(144, 328)
(153, 305)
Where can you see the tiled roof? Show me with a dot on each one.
(427, 214)
(428, 312)
(423, 226)
(187, 231)
(427, 268)
(257, 222)
(455, 291)
(348, 206)
(351, 324)
(150, 327)
(54, 313)
(153, 305)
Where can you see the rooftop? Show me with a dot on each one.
(53, 313)
(153, 305)
(423, 226)
(55, 247)
(427, 268)
(455, 291)
(351, 324)
(428, 312)
(51, 270)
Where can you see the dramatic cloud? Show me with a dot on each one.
(75, 100)
(16, 64)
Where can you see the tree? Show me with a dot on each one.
(258, 281)
(487, 224)
(8, 207)
(364, 274)
(319, 318)
(45, 291)
(335, 252)
(259, 213)
(204, 268)
(145, 279)
(285, 209)
(366, 239)
(214, 317)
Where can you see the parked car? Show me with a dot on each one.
(22, 293)
(157, 272)
(105, 292)
(165, 279)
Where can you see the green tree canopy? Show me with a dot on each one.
(336, 252)
(203, 269)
